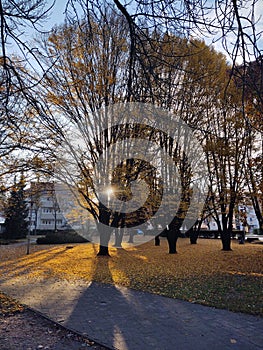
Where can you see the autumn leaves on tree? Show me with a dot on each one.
(107, 53)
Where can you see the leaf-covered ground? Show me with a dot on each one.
(201, 273)
(9, 306)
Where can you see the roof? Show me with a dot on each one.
(38, 187)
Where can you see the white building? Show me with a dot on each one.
(251, 218)
(44, 213)
(2, 223)
(244, 212)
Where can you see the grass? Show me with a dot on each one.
(201, 273)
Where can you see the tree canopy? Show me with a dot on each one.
(110, 52)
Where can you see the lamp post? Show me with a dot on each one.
(29, 228)
(109, 192)
(243, 212)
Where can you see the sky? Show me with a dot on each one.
(58, 14)
(57, 17)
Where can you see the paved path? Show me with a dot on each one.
(124, 319)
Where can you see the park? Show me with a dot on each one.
(199, 274)
(131, 182)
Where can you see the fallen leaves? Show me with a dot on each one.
(9, 306)
(201, 273)
(29, 330)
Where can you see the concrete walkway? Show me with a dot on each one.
(124, 319)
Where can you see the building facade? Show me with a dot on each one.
(44, 212)
(244, 219)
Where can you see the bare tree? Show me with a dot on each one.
(16, 18)
(19, 136)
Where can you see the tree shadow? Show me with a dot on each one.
(125, 319)
(24, 264)
(118, 317)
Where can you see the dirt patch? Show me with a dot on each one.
(24, 329)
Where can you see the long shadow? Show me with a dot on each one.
(45, 293)
(22, 265)
(125, 319)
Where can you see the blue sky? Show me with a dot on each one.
(57, 17)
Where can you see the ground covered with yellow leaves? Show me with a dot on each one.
(201, 273)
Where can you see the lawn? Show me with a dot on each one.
(201, 273)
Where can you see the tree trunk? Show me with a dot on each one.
(193, 234)
(226, 240)
(103, 251)
(172, 236)
(105, 233)
(157, 240)
(257, 204)
(118, 237)
(231, 216)
(258, 212)
(132, 233)
(225, 235)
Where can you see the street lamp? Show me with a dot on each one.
(109, 191)
(29, 228)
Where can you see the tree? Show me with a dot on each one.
(88, 71)
(129, 58)
(18, 20)
(253, 95)
(15, 19)
(232, 23)
(16, 212)
(88, 74)
(204, 97)
(19, 135)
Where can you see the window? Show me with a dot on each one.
(47, 222)
(47, 210)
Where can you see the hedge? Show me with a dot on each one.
(61, 237)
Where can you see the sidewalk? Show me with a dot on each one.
(124, 319)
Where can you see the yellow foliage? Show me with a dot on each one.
(201, 273)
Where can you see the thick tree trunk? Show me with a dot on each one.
(118, 237)
(226, 240)
(172, 236)
(103, 251)
(105, 233)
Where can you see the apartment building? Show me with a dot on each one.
(245, 213)
(44, 212)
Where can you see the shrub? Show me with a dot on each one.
(61, 237)
(39, 232)
(257, 231)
